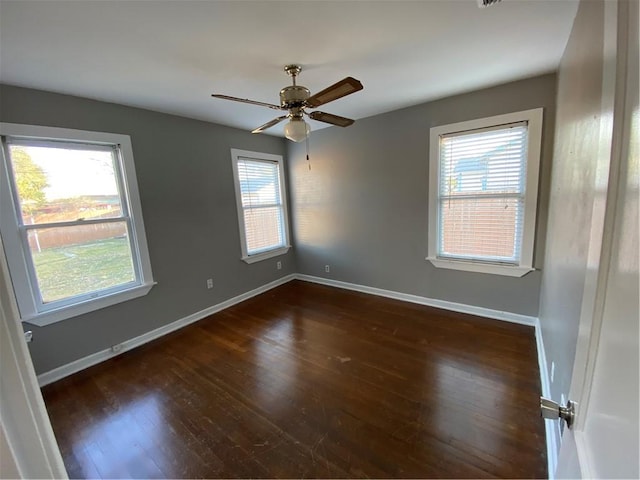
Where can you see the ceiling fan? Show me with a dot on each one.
(296, 98)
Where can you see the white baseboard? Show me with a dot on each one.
(95, 358)
(431, 302)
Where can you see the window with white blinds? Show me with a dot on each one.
(261, 203)
(483, 193)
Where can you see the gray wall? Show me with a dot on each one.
(188, 202)
(362, 208)
(578, 193)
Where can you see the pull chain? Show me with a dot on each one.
(307, 143)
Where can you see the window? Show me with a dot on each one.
(483, 193)
(70, 221)
(262, 207)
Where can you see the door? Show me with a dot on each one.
(28, 448)
(604, 441)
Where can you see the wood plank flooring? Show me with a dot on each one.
(309, 381)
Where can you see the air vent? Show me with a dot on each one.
(487, 3)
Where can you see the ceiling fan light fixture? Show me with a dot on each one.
(295, 99)
(297, 130)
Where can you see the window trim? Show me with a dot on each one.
(18, 258)
(236, 155)
(533, 117)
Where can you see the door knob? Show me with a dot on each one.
(552, 410)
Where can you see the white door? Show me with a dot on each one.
(28, 448)
(604, 442)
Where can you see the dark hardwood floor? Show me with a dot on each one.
(311, 381)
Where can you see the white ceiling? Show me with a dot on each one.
(169, 56)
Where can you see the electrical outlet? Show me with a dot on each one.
(279, 265)
(209, 283)
(327, 268)
(553, 370)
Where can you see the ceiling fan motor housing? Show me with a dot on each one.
(294, 96)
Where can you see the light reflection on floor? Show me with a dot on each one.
(277, 337)
(130, 434)
(474, 393)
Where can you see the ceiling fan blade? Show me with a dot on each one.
(332, 119)
(246, 100)
(269, 124)
(344, 87)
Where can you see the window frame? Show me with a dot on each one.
(533, 118)
(25, 285)
(236, 155)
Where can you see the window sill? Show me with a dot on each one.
(510, 271)
(264, 255)
(42, 319)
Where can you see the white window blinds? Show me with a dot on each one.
(481, 194)
(262, 206)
